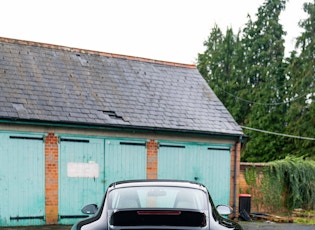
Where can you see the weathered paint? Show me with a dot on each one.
(88, 165)
(22, 191)
(124, 159)
(207, 164)
(75, 191)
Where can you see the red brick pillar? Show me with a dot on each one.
(152, 159)
(51, 178)
(235, 175)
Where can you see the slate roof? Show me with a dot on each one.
(48, 83)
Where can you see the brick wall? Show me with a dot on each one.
(51, 178)
(152, 159)
(256, 204)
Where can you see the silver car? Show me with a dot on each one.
(156, 204)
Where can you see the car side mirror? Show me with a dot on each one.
(89, 209)
(224, 210)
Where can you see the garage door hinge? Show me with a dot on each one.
(26, 217)
(27, 138)
(72, 216)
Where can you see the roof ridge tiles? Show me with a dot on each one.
(94, 52)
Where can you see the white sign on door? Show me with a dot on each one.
(83, 170)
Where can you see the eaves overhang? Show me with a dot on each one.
(129, 128)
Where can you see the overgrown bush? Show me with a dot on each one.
(287, 183)
(252, 177)
(272, 192)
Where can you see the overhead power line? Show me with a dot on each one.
(279, 134)
(261, 103)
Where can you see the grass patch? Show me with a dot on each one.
(304, 220)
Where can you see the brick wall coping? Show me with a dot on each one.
(253, 164)
(244, 165)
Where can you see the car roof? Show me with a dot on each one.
(173, 183)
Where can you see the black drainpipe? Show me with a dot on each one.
(235, 176)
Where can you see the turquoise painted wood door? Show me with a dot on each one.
(22, 188)
(206, 164)
(124, 160)
(213, 165)
(81, 176)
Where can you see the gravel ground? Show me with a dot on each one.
(274, 226)
(245, 225)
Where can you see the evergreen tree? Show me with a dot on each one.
(265, 68)
(221, 65)
(301, 75)
(262, 90)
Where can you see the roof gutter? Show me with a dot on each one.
(118, 127)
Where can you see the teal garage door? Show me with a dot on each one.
(207, 164)
(81, 176)
(125, 160)
(22, 188)
(88, 165)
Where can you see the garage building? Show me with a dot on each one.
(72, 121)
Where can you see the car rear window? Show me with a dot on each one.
(157, 197)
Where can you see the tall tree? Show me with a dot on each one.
(221, 66)
(301, 75)
(260, 88)
(264, 53)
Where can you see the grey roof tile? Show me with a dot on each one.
(51, 83)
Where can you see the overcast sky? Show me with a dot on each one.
(169, 30)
